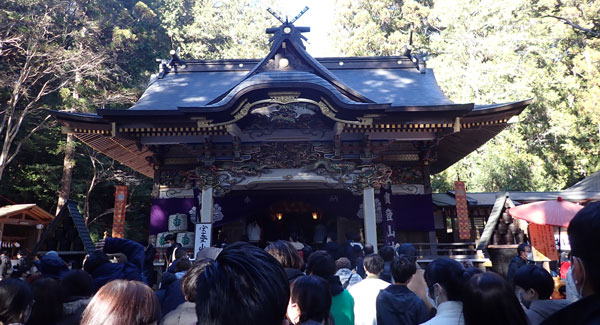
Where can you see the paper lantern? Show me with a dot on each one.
(178, 222)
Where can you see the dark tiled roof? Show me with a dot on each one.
(398, 87)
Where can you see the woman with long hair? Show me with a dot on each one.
(310, 301)
(489, 299)
(122, 302)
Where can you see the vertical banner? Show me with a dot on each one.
(387, 223)
(542, 240)
(118, 229)
(203, 237)
(462, 211)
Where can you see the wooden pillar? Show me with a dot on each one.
(203, 235)
(206, 210)
(370, 218)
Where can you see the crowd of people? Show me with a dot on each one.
(278, 285)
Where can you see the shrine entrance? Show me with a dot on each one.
(308, 216)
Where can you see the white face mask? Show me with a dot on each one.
(433, 299)
(530, 256)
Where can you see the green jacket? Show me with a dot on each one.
(342, 308)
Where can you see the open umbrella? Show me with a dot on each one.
(556, 212)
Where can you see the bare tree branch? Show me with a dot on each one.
(575, 26)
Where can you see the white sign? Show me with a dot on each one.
(203, 237)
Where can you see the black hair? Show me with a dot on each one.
(15, 298)
(285, 254)
(180, 252)
(403, 269)
(245, 285)
(521, 248)
(448, 273)
(408, 250)
(368, 249)
(320, 263)
(47, 309)
(583, 235)
(489, 299)
(312, 295)
(387, 253)
(190, 279)
(182, 264)
(170, 237)
(373, 263)
(536, 278)
(471, 271)
(77, 283)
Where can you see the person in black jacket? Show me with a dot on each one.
(522, 258)
(584, 237)
(103, 271)
(396, 304)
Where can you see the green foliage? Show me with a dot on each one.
(215, 29)
(487, 51)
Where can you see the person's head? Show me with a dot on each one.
(77, 283)
(309, 300)
(47, 308)
(122, 302)
(285, 254)
(183, 264)
(343, 263)
(489, 299)
(387, 253)
(180, 252)
(368, 249)
(245, 285)
(524, 251)
(190, 279)
(585, 244)
(445, 279)
(351, 236)
(532, 283)
(16, 300)
(407, 250)
(170, 239)
(373, 264)
(3, 253)
(320, 263)
(403, 269)
(471, 271)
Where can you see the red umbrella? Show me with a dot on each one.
(556, 212)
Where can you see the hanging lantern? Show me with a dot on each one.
(279, 215)
(315, 215)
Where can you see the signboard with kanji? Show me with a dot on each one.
(462, 211)
(203, 236)
(118, 229)
(542, 241)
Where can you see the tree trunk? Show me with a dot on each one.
(67, 175)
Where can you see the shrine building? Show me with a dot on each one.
(292, 145)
